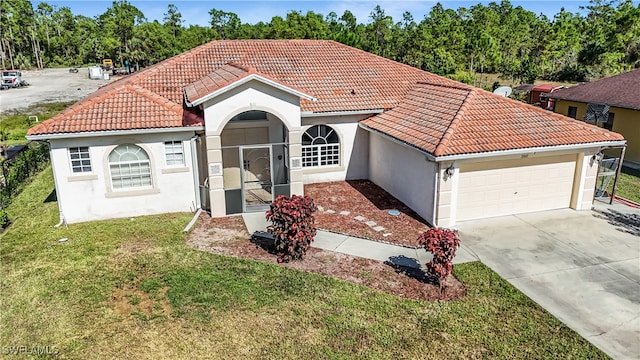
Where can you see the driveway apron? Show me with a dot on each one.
(581, 266)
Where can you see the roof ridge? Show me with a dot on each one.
(237, 65)
(556, 115)
(154, 97)
(606, 78)
(456, 85)
(79, 106)
(446, 137)
(412, 68)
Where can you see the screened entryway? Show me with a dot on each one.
(254, 161)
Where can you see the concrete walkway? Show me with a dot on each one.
(581, 266)
(364, 248)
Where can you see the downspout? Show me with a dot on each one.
(436, 198)
(196, 174)
(57, 188)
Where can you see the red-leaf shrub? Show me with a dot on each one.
(442, 243)
(292, 225)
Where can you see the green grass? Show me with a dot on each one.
(14, 124)
(132, 289)
(628, 184)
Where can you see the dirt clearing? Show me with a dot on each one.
(49, 86)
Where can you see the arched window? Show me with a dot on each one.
(130, 167)
(320, 146)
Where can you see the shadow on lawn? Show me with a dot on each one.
(411, 268)
(382, 199)
(629, 223)
(52, 197)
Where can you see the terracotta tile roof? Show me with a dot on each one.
(340, 77)
(620, 91)
(107, 109)
(423, 117)
(216, 80)
(222, 77)
(427, 111)
(452, 120)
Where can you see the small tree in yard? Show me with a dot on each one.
(442, 243)
(293, 226)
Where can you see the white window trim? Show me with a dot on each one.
(166, 158)
(71, 166)
(333, 148)
(130, 189)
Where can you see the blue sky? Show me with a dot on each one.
(197, 12)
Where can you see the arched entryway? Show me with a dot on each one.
(254, 160)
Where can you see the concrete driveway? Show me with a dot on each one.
(583, 267)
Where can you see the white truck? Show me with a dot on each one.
(12, 78)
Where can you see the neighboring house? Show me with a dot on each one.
(229, 125)
(620, 93)
(539, 95)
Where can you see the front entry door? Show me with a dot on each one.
(257, 181)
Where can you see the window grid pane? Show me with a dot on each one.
(320, 155)
(131, 174)
(80, 159)
(130, 167)
(309, 156)
(173, 153)
(320, 147)
(329, 154)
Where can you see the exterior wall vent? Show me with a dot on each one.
(215, 169)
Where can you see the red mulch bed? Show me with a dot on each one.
(364, 198)
(228, 236)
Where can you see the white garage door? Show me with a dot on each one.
(498, 188)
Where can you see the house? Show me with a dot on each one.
(229, 125)
(617, 101)
(539, 95)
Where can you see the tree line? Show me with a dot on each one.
(462, 43)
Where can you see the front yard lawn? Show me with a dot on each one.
(131, 288)
(629, 184)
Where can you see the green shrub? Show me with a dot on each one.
(26, 164)
(4, 219)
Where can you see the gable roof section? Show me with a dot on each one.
(229, 76)
(620, 91)
(424, 117)
(107, 110)
(446, 120)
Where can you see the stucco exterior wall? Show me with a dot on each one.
(586, 176)
(89, 196)
(354, 150)
(625, 122)
(404, 173)
(447, 198)
(253, 95)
